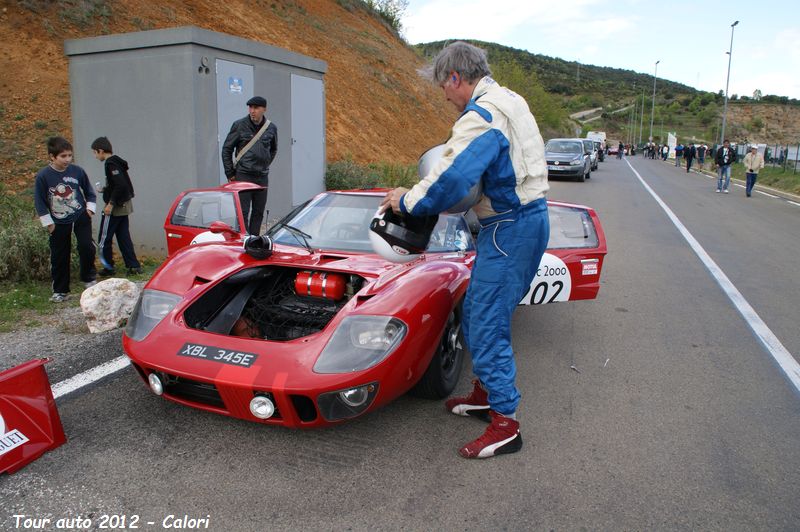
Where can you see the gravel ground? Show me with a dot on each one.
(64, 338)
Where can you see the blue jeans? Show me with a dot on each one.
(724, 172)
(677, 160)
(510, 247)
(751, 182)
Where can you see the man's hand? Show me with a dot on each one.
(392, 199)
(107, 210)
(51, 228)
(90, 213)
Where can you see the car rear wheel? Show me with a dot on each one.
(444, 370)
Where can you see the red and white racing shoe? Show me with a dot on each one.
(501, 437)
(475, 404)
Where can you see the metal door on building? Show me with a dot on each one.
(308, 138)
(234, 88)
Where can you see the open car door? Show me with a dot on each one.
(571, 265)
(193, 211)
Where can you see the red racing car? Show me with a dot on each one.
(323, 329)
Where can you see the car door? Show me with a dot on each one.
(193, 212)
(571, 265)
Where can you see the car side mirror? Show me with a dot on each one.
(222, 228)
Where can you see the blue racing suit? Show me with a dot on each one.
(495, 140)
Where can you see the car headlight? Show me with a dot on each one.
(359, 343)
(151, 308)
(576, 162)
(344, 404)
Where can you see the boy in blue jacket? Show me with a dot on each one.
(65, 203)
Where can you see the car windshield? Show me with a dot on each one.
(588, 144)
(564, 146)
(340, 221)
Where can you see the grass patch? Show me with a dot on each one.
(24, 299)
(774, 177)
(23, 304)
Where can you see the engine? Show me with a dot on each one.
(273, 303)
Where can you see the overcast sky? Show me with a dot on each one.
(690, 38)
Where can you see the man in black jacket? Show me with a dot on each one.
(724, 159)
(117, 195)
(689, 153)
(251, 164)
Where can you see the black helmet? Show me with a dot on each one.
(400, 238)
(259, 247)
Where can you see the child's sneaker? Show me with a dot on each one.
(501, 437)
(58, 297)
(475, 404)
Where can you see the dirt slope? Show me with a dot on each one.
(378, 109)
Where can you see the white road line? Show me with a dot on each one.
(770, 195)
(768, 340)
(792, 202)
(89, 376)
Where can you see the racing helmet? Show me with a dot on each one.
(258, 247)
(207, 236)
(400, 238)
(426, 163)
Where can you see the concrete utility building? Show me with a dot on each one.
(166, 99)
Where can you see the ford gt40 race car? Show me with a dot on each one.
(323, 329)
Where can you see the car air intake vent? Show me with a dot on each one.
(194, 391)
(325, 258)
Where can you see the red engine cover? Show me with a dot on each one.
(320, 284)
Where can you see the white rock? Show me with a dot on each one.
(108, 304)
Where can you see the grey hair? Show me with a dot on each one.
(469, 61)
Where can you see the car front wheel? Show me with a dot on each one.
(444, 369)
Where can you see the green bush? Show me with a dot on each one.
(347, 174)
(24, 251)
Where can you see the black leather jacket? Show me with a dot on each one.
(256, 161)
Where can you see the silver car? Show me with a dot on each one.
(568, 158)
(590, 147)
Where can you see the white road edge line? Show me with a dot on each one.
(89, 376)
(770, 195)
(768, 340)
(792, 202)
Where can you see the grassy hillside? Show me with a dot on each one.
(692, 114)
(377, 108)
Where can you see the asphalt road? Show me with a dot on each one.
(675, 416)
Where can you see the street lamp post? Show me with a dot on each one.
(641, 118)
(725, 108)
(653, 107)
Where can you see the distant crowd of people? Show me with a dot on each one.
(722, 159)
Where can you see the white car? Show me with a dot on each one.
(589, 146)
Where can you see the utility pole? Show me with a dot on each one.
(653, 108)
(641, 118)
(725, 109)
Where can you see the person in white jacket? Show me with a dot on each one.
(753, 162)
(495, 141)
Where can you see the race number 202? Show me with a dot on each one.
(552, 282)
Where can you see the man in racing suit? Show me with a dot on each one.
(496, 141)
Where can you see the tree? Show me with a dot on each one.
(757, 94)
(390, 10)
(545, 108)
